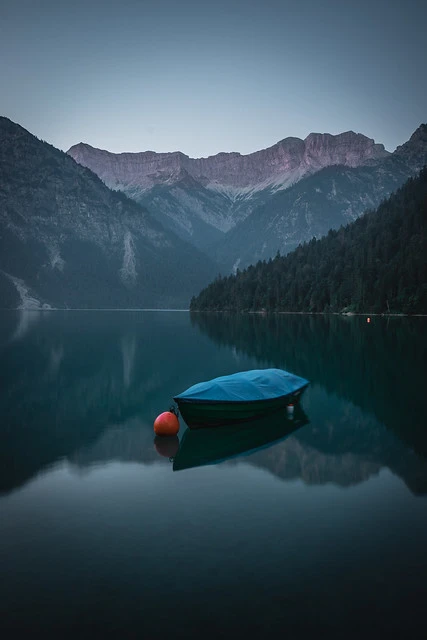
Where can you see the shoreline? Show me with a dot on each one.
(346, 314)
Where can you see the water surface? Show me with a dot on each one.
(320, 532)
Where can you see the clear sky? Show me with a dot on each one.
(204, 77)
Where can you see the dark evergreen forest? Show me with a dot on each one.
(377, 264)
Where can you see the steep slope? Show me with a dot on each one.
(201, 199)
(413, 152)
(376, 264)
(326, 200)
(66, 240)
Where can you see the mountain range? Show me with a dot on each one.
(242, 208)
(93, 229)
(67, 241)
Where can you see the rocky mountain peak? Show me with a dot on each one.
(280, 165)
(349, 149)
(414, 152)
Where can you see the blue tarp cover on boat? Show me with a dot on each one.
(246, 386)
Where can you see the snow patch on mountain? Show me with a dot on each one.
(235, 266)
(128, 272)
(28, 301)
(56, 262)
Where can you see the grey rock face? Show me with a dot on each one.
(275, 165)
(326, 200)
(413, 152)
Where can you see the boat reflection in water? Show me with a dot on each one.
(215, 444)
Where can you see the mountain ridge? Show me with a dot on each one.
(215, 202)
(232, 168)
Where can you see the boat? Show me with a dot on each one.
(200, 447)
(238, 397)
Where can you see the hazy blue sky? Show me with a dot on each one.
(229, 75)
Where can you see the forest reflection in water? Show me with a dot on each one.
(86, 387)
(380, 366)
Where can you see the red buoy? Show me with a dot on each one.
(166, 424)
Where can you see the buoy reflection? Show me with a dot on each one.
(166, 446)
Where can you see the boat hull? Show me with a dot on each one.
(200, 414)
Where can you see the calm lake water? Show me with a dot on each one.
(102, 533)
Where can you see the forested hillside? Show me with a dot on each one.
(377, 264)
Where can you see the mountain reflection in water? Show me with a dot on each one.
(86, 387)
